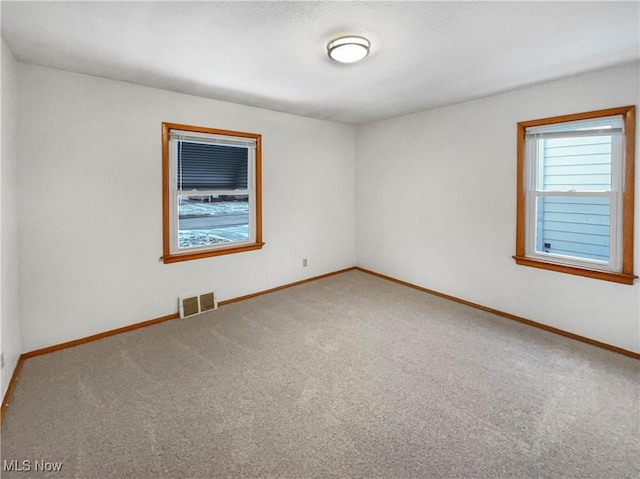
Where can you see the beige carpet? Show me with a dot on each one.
(347, 376)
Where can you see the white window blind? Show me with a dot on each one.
(212, 139)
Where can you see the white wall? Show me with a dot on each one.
(436, 207)
(435, 198)
(91, 214)
(9, 320)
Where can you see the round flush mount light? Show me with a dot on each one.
(348, 49)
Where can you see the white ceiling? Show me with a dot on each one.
(273, 54)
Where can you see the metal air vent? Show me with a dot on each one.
(201, 303)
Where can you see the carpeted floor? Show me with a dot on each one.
(347, 376)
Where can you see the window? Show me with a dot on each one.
(576, 193)
(211, 192)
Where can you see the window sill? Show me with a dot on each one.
(621, 278)
(175, 258)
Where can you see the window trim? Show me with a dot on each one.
(625, 275)
(167, 255)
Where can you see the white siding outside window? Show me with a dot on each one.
(574, 192)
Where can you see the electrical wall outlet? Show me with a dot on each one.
(2, 360)
(304, 262)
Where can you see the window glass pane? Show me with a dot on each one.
(573, 226)
(209, 220)
(203, 166)
(580, 163)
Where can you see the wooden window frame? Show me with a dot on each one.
(625, 275)
(167, 255)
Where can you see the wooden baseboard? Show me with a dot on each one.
(95, 337)
(288, 285)
(144, 324)
(69, 344)
(76, 342)
(497, 312)
(12, 384)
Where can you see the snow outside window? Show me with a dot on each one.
(212, 192)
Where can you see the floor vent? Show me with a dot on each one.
(201, 303)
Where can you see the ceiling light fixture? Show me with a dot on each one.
(348, 49)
